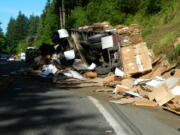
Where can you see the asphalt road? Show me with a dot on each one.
(34, 106)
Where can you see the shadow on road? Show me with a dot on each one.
(33, 107)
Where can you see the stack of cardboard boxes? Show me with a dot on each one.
(134, 53)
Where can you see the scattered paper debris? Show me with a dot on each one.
(69, 55)
(48, 69)
(176, 91)
(133, 93)
(74, 74)
(119, 73)
(92, 66)
(79, 65)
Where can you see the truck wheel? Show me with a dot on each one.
(103, 70)
(92, 45)
(96, 38)
(95, 45)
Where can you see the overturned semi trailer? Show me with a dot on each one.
(121, 48)
(101, 48)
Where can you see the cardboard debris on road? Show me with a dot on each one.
(161, 95)
(108, 132)
(111, 80)
(164, 94)
(104, 90)
(145, 103)
(132, 100)
(122, 101)
(171, 110)
(120, 89)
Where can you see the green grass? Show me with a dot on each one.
(175, 55)
(161, 30)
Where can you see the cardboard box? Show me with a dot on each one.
(136, 59)
(136, 38)
(145, 103)
(131, 68)
(134, 26)
(128, 100)
(90, 74)
(161, 95)
(172, 110)
(119, 26)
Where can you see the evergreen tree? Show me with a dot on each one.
(49, 22)
(11, 35)
(2, 41)
(22, 26)
(33, 25)
(17, 31)
(33, 29)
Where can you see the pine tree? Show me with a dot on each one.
(17, 31)
(22, 26)
(49, 22)
(11, 35)
(33, 29)
(2, 41)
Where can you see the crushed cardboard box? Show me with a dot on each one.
(163, 92)
(111, 80)
(122, 101)
(104, 90)
(136, 59)
(145, 103)
(90, 74)
(161, 95)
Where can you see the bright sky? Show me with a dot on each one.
(10, 8)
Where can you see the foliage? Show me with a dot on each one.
(78, 18)
(33, 30)
(17, 30)
(2, 41)
(21, 29)
(175, 57)
(11, 35)
(49, 23)
(22, 25)
(21, 47)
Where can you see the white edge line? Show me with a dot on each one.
(109, 118)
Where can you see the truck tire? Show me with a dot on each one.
(96, 38)
(97, 45)
(103, 70)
